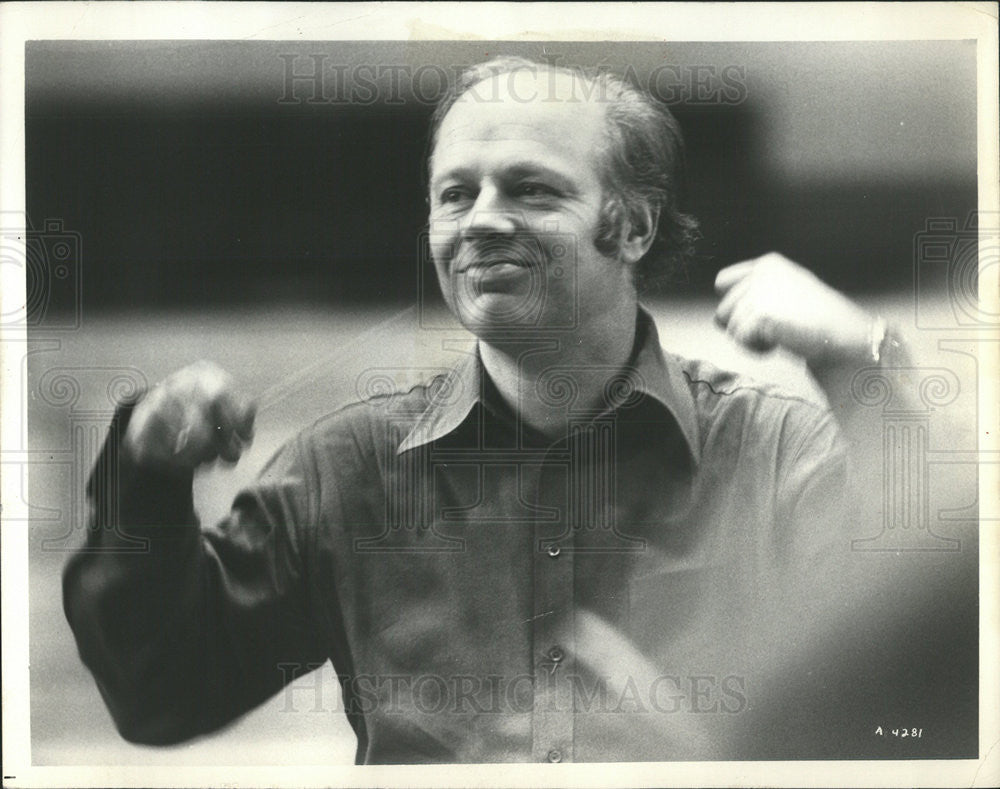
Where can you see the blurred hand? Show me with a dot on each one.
(771, 302)
(607, 654)
(192, 417)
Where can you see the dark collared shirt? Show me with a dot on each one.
(484, 593)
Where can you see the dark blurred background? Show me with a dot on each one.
(203, 173)
(190, 201)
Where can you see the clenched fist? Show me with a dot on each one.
(192, 417)
(772, 302)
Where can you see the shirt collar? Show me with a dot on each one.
(650, 372)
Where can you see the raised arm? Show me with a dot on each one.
(772, 302)
(184, 628)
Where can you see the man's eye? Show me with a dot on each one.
(454, 194)
(534, 189)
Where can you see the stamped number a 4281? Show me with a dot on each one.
(884, 732)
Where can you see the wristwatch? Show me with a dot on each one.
(887, 349)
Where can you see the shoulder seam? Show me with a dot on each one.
(762, 389)
(374, 399)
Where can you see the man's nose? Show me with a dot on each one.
(492, 213)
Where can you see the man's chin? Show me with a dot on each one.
(494, 315)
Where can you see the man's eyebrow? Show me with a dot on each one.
(454, 174)
(537, 169)
(511, 172)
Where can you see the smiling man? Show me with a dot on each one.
(559, 551)
(508, 191)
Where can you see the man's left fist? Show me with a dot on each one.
(771, 302)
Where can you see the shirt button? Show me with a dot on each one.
(556, 655)
(555, 756)
(554, 551)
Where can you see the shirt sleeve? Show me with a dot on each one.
(813, 489)
(186, 628)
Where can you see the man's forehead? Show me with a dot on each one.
(525, 104)
(468, 131)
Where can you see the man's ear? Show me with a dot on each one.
(638, 233)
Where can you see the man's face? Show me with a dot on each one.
(515, 201)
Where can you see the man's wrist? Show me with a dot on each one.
(879, 345)
(854, 349)
(884, 349)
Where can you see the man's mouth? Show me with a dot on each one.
(491, 264)
(499, 264)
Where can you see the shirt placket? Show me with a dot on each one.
(552, 622)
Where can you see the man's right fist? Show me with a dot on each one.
(192, 417)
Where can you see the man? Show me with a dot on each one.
(562, 550)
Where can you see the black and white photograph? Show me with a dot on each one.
(505, 395)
